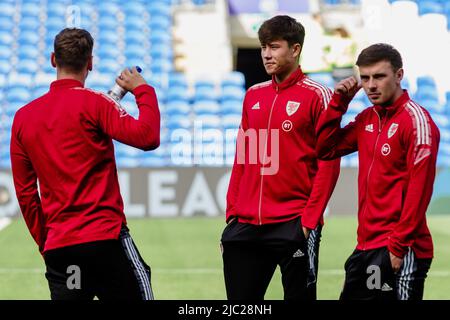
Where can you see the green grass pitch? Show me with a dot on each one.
(186, 262)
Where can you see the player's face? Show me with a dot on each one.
(279, 59)
(380, 82)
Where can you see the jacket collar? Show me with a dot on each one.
(295, 77)
(65, 84)
(391, 109)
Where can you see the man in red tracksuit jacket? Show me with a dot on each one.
(63, 141)
(397, 143)
(278, 190)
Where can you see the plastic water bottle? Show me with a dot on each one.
(117, 92)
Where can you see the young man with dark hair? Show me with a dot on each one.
(278, 190)
(63, 141)
(397, 142)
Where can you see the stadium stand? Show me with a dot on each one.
(148, 33)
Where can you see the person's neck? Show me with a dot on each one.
(279, 78)
(398, 93)
(62, 74)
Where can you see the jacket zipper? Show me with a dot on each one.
(264, 160)
(380, 127)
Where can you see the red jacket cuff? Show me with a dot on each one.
(142, 88)
(339, 102)
(397, 250)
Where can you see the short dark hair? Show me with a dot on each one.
(73, 48)
(281, 28)
(380, 52)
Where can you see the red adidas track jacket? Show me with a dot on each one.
(281, 119)
(63, 142)
(397, 148)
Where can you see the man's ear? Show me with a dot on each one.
(53, 60)
(399, 75)
(297, 49)
(89, 65)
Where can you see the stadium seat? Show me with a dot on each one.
(5, 52)
(177, 107)
(56, 9)
(208, 121)
(133, 8)
(356, 106)
(234, 78)
(231, 106)
(6, 23)
(109, 23)
(177, 79)
(161, 51)
(423, 81)
(135, 51)
(39, 91)
(426, 7)
(160, 36)
(107, 8)
(324, 78)
(6, 37)
(7, 9)
(108, 66)
(205, 94)
(29, 66)
(160, 22)
(161, 65)
(28, 37)
(178, 93)
(206, 107)
(18, 94)
(178, 121)
(30, 9)
(231, 121)
(232, 93)
(5, 66)
(28, 51)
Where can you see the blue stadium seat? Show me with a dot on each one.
(55, 24)
(204, 83)
(234, 78)
(356, 106)
(324, 78)
(426, 93)
(161, 51)
(28, 37)
(156, 8)
(135, 51)
(160, 22)
(425, 81)
(161, 65)
(160, 36)
(29, 66)
(441, 120)
(133, 8)
(5, 66)
(107, 50)
(232, 93)
(134, 24)
(6, 23)
(231, 121)
(177, 107)
(7, 9)
(18, 94)
(178, 121)
(108, 23)
(5, 52)
(177, 79)
(107, 8)
(108, 36)
(426, 7)
(28, 51)
(56, 9)
(205, 94)
(231, 106)
(108, 66)
(6, 38)
(177, 93)
(204, 107)
(30, 9)
(39, 91)
(208, 121)
(432, 105)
